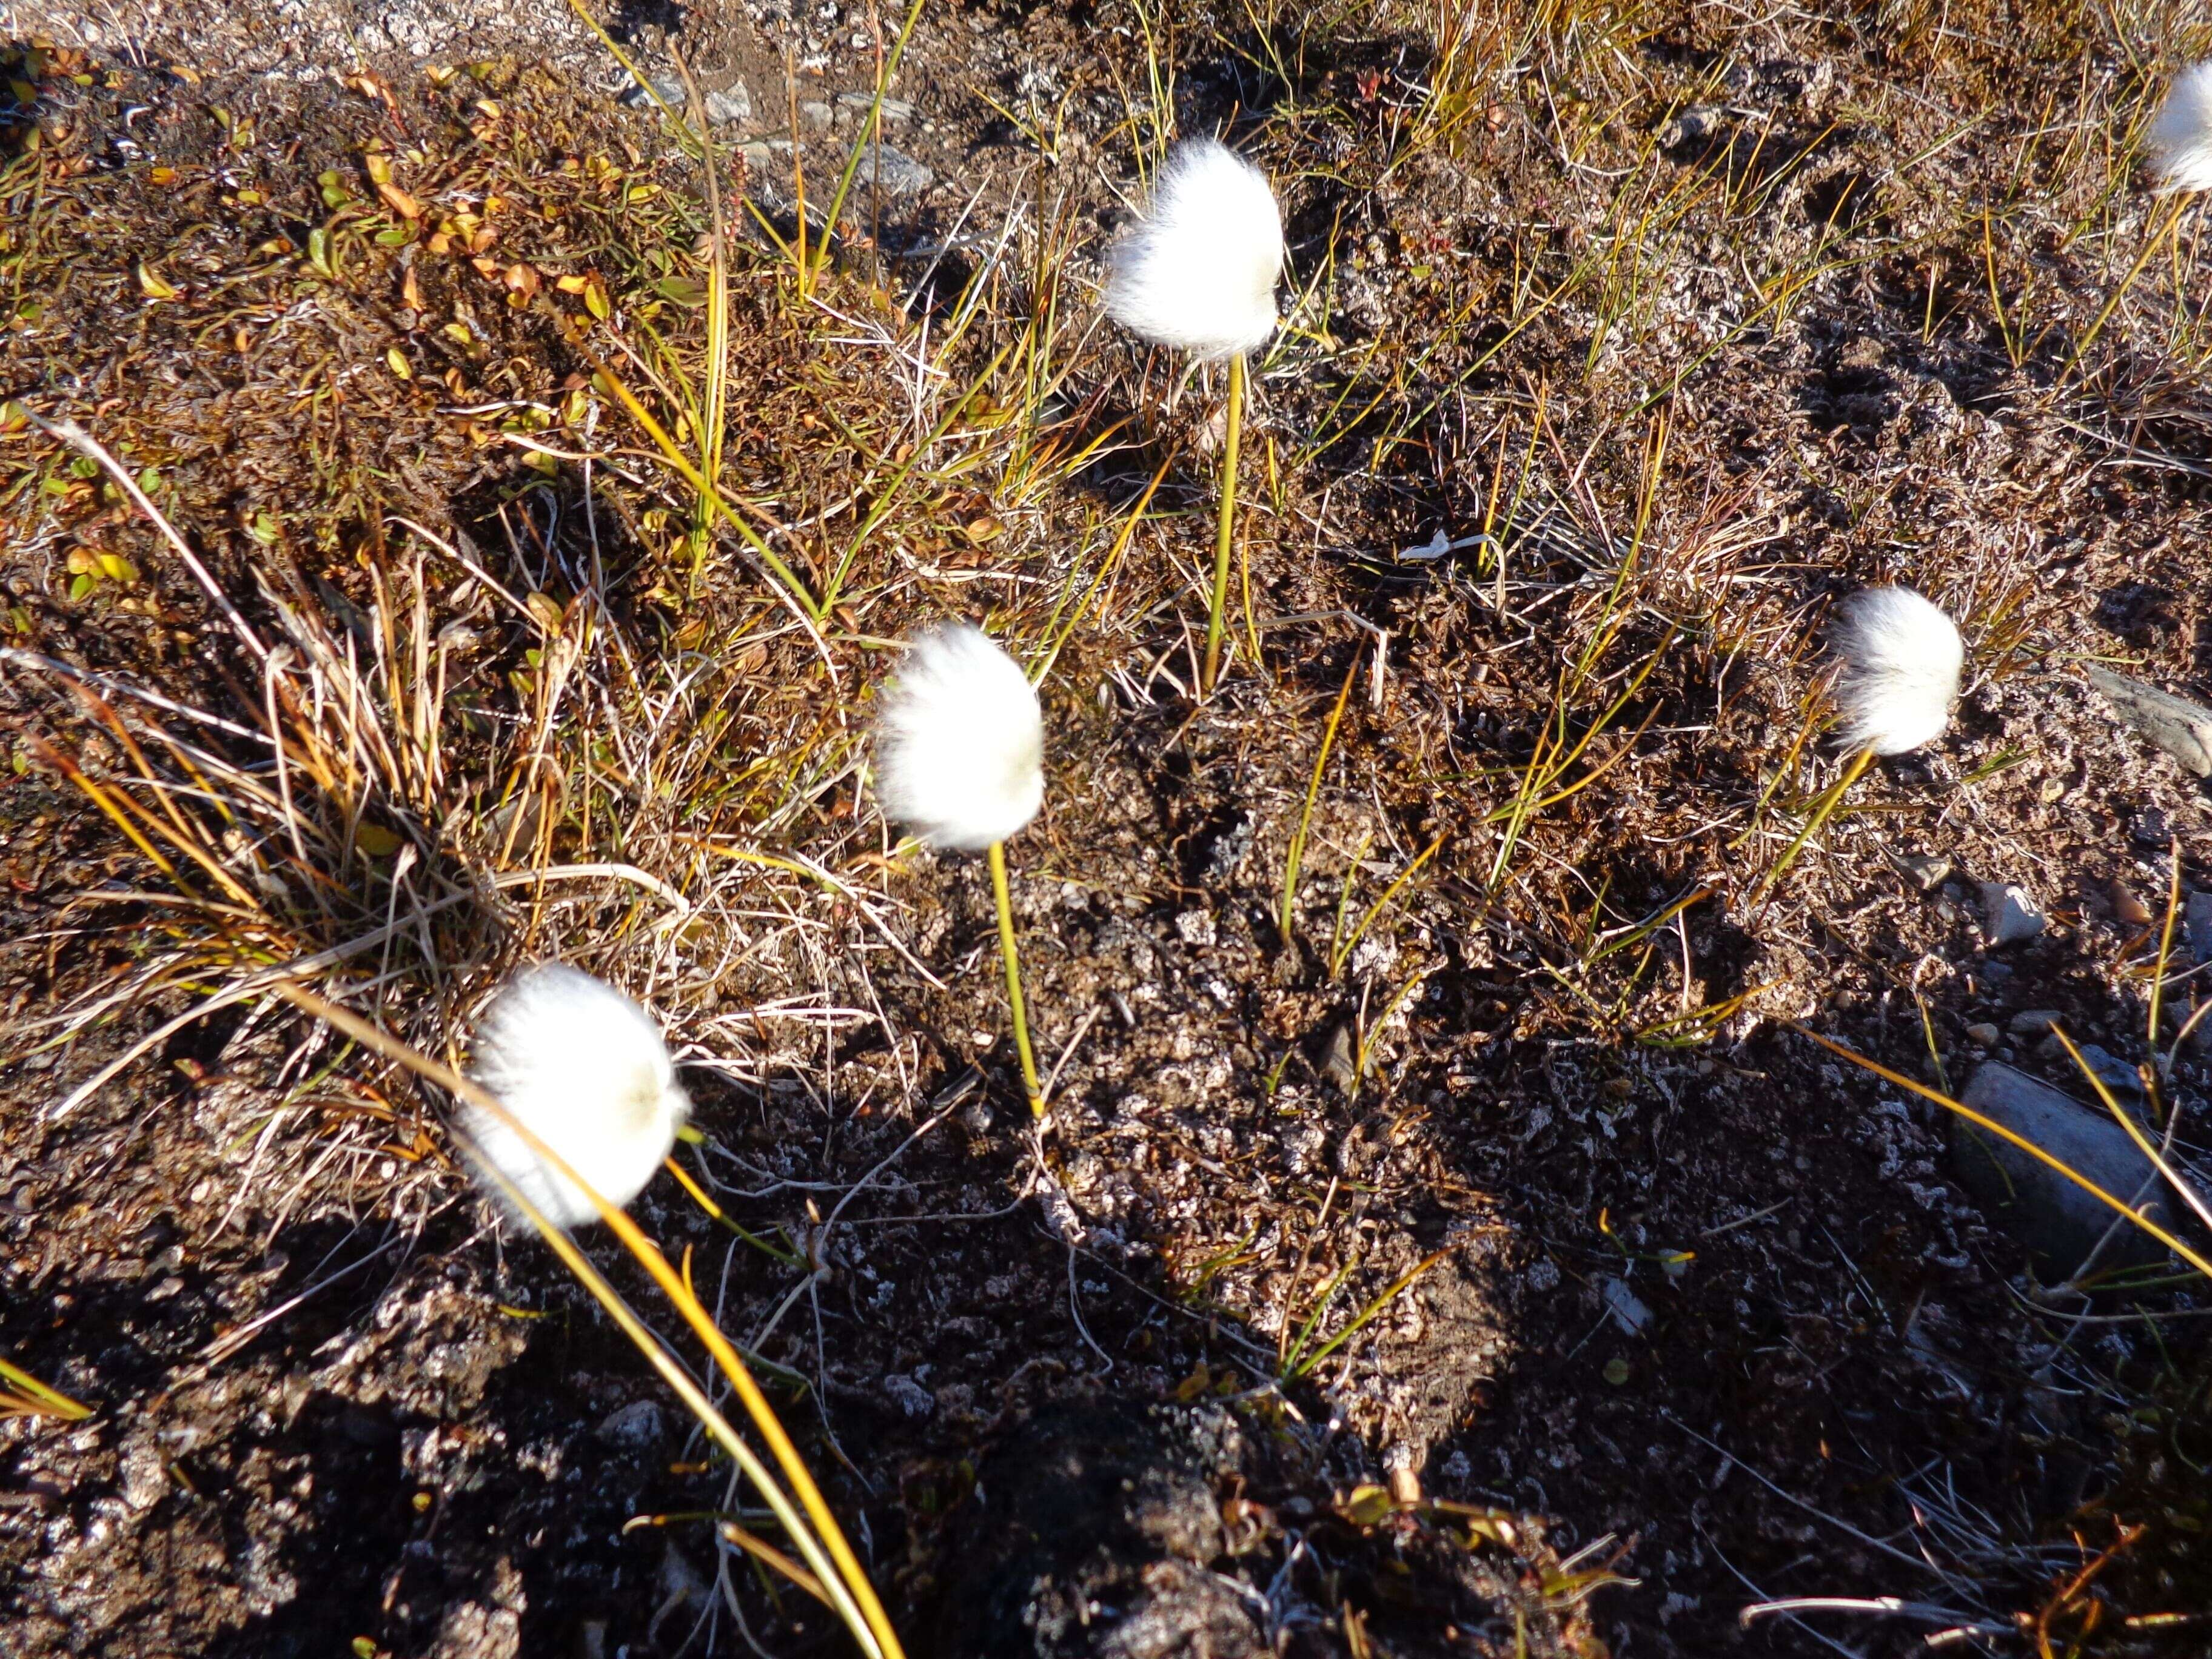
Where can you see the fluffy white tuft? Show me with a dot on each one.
(2181, 136)
(1197, 271)
(960, 742)
(584, 1067)
(1902, 657)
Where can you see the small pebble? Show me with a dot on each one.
(1627, 1308)
(1925, 873)
(895, 111)
(1983, 1036)
(2128, 907)
(2012, 914)
(896, 173)
(909, 1396)
(634, 1426)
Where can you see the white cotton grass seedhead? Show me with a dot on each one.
(960, 742)
(584, 1069)
(2181, 135)
(1901, 659)
(1197, 272)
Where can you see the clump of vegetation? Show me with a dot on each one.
(452, 521)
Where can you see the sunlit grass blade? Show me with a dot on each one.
(24, 1395)
(1225, 530)
(1011, 954)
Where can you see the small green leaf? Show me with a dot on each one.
(1368, 1506)
(79, 587)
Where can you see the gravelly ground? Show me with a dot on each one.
(1710, 1309)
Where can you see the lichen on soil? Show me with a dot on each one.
(1484, 1263)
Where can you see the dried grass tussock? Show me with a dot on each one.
(1512, 912)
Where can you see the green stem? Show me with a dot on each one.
(1007, 949)
(1821, 808)
(1218, 615)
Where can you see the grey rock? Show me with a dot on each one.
(637, 1426)
(896, 111)
(1338, 1062)
(815, 115)
(2058, 1222)
(2109, 1069)
(2011, 913)
(1925, 873)
(1983, 1034)
(1692, 124)
(2034, 1022)
(724, 104)
(909, 1396)
(898, 174)
(728, 104)
(2182, 728)
(1627, 1308)
(2197, 925)
(641, 94)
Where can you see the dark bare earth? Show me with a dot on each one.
(1505, 1186)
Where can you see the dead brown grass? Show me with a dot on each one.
(1678, 322)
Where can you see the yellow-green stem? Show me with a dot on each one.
(1013, 959)
(1218, 615)
(1821, 808)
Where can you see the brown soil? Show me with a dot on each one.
(1694, 1319)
